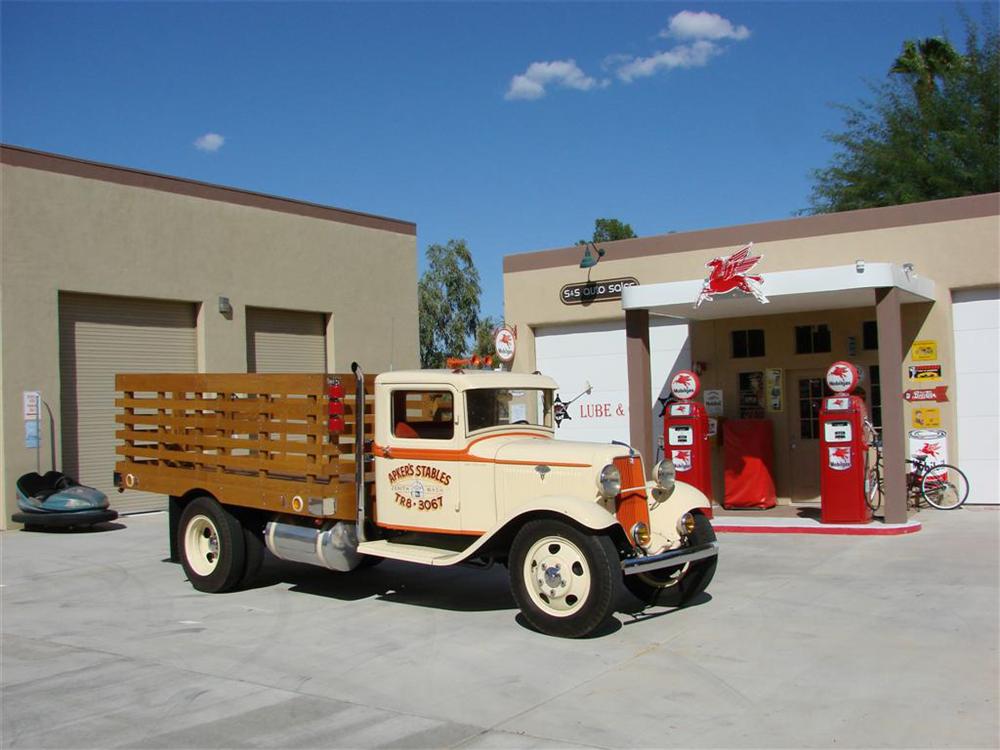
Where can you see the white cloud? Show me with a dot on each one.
(531, 84)
(694, 55)
(209, 142)
(703, 25)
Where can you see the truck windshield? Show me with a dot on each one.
(494, 407)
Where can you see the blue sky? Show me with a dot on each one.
(510, 125)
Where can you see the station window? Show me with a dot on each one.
(426, 415)
(749, 343)
(812, 339)
(869, 335)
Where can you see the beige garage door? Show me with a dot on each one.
(99, 337)
(285, 341)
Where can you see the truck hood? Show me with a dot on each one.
(555, 453)
(529, 468)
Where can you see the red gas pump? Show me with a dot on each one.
(685, 433)
(842, 449)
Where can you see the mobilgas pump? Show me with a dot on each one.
(842, 449)
(685, 430)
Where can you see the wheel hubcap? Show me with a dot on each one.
(557, 576)
(201, 545)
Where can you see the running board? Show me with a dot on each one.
(411, 553)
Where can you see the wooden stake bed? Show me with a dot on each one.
(255, 440)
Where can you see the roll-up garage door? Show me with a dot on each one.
(595, 353)
(99, 337)
(285, 341)
(976, 319)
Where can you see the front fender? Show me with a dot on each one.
(587, 513)
(663, 517)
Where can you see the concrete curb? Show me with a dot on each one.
(811, 526)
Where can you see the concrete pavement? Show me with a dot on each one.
(804, 641)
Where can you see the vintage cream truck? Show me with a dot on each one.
(435, 467)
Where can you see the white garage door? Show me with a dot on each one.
(285, 341)
(976, 317)
(595, 352)
(99, 337)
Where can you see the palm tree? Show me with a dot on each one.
(923, 63)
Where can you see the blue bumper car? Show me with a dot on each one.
(57, 501)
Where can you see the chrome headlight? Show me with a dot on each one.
(685, 524)
(610, 481)
(641, 535)
(665, 474)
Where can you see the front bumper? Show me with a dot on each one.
(670, 559)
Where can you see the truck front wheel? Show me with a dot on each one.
(212, 546)
(563, 579)
(673, 587)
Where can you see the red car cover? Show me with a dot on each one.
(748, 446)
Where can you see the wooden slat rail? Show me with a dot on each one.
(255, 440)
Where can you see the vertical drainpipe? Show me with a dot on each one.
(640, 394)
(890, 362)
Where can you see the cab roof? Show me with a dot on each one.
(466, 379)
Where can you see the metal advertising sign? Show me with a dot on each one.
(924, 351)
(685, 385)
(842, 377)
(773, 390)
(505, 343)
(604, 290)
(731, 274)
(839, 457)
(32, 404)
(925, 372)
(926, 416)
(938, 393)
(713, 402)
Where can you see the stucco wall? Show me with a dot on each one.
(70, 233)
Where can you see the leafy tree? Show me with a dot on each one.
(608, 230)
(448, 298)
(923, 63)
(484, 337)
(932, 131)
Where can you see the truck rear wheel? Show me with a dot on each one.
(212, 546)
(674, 587)
(563, 579)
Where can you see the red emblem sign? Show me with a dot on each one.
(685, 385)
(927, 394)
(839, 458)
(731, 274)
(504, 343)
(842, 377)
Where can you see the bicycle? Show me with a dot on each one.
(941, 486)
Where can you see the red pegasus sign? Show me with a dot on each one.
(930, 450)
(731, 274)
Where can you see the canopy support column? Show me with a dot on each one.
(890, 363)
(640, 396)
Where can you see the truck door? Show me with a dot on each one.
(417, 477)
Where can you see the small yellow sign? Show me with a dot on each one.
(926, 416)
(924, 351)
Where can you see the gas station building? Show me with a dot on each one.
(908, 294)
